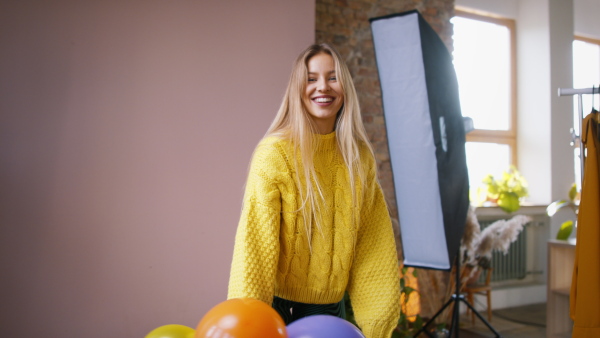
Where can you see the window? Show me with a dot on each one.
(484, 60)
(586, 74)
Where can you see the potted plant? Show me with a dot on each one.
(572, 203)
(506, 191)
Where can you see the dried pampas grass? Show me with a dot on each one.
(478, 245)
(499, 235)
(472, 231)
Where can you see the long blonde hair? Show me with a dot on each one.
(293, 122)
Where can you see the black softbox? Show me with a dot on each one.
(426, 138)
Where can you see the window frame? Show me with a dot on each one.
(586, 39)
(508, 137)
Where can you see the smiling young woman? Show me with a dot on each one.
(323, 96)
(314, 222)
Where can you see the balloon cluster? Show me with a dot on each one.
(250, 318)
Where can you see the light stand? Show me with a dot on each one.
(456, 298)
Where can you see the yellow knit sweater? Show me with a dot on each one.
(272, 255)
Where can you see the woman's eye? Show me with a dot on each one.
(333, 78)
(310, 79)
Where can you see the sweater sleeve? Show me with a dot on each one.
(374, 285)
(256, 250)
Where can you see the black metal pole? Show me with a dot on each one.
(455, 316)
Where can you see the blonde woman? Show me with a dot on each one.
(314, 222)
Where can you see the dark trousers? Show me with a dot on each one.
(291, 311)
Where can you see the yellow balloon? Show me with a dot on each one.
(172, 331)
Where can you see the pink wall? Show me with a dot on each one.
(126, 128)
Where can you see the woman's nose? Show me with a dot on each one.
(323, 86)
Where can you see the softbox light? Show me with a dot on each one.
(426, 138)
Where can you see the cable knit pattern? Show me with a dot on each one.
(272, 255)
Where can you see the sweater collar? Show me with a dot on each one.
(326, 141)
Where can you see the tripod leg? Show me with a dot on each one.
(424, 328)
(480, 317)
(455, 320)
(456, 297)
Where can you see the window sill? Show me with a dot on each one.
(496, 211)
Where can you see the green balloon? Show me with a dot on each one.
(172, 331)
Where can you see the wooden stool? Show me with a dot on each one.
(479, 288)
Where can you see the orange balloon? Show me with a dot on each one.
(241, 318)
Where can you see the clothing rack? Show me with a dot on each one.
(579, 92)
(574, 91)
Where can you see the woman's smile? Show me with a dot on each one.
(323, 100)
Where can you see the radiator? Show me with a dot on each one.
(513, 265)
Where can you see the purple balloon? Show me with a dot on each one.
(323, 326)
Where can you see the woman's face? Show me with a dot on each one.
(323, 96)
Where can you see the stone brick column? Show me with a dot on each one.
(345, 25)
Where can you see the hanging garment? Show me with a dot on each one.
(585, 287)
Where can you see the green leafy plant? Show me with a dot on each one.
(349, 310)
(507, 190)
(572, 203)
(565, 230)
(406, 327)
